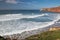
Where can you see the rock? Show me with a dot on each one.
(53, 9)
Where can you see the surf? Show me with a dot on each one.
(17, 16)
(34, 26)
(18, 26)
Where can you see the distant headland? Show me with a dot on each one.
(53, 9)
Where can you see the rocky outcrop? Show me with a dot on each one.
(54, 9)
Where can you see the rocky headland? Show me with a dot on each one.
(53, 9)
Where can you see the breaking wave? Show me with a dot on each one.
(11, 23)
(17, 16)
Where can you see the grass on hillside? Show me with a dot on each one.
(49, 35)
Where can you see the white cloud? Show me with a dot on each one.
(11, 1)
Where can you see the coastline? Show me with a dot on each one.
(20, 35)
(26, 34)
(52, 9)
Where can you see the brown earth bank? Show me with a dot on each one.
(53, 9)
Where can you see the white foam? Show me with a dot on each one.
(14, 27)
(33, 26)
(22, 27)
(17, 16)
(28, 27)
(35, 16)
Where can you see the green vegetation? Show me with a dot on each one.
(1, 38)
(49, 35)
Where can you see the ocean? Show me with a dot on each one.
(17, 21)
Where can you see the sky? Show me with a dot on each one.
(28, 4)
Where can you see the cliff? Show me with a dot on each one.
(53, 9)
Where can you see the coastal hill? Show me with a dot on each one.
(53, 9)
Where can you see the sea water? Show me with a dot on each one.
(17, 21)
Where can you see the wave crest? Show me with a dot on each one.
(17, 16)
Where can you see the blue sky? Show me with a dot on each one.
(28, 4)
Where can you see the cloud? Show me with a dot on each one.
(11, 1)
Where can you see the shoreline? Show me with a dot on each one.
(25, 34)
(49, 24)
